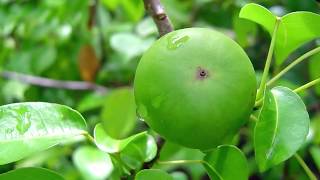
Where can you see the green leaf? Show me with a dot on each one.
(27, 128)
(92, 163)
(90, 102)
(31, 173)
(260, 15)
(315, 154)
(142, 144)
(154, 174)
(134, 9)
(315, 129)
(314, 73)
(226, 162)
(111, 4)
(119, 113)
(42, 58)
(110, 145)
(129, 44)
(305, 24)
(295, 29)
(282, 127)
(13, 90)
(140, 150)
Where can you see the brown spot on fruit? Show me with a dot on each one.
(202, 73)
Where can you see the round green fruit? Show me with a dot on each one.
(195, 87)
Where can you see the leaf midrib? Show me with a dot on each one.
(276, 126)
(80, 132)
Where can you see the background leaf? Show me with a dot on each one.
(92, 163)
(315, 154)
(282, 127)
(90, 102)
(227, 162)
(119, 113)
(31, 173)
(154, 174)
(27, 128)
(243, 29)
(314, 70)
(134, 9)
(129, 44)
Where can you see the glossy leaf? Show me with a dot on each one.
(260, 15)
(282, 127)
(119, 113)
(110, 145)
(92, 163)
(226, 162)
(143, 143)
(146, 27)
(27, 128)
(295, 29)
(141, 150)
(314, 70)
(154, 174)
(31, 173)
(41, 158)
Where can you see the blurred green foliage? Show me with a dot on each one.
(46, 38)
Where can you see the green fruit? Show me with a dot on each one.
(195, 87)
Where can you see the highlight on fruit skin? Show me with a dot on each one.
(195, 87)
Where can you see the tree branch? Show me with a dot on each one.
(46, 82)
(164, 26)
(160, 18)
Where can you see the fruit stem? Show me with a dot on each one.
(297, 90)
(294, 63)
(306, 86)
(89, 137)
(268, 61)
(160, 18)
(305, 167)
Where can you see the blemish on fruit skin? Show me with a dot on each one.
(202, 73)
(176, 41)
(142, 111)
(156, 102)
